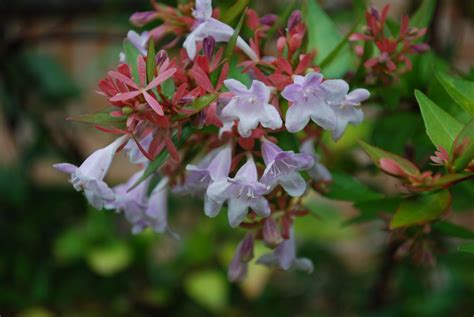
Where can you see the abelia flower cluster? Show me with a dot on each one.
(392, 55)
(195, 130)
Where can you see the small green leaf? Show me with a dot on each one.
(453, 230)
(208, 288)
(197, 105)
(468, 248)
(168, 88)
(99, 117)
(151, 61)
(131, 57)
(324, 37)
(229, 50)
(347, 188)
(163, 156)
(233, 12)
(464, 141)
(424, 14)
(421, 209)
(462, 91)
(377, 154)
(440, 126)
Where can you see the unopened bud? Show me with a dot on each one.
(209, 44)
(294, 19)
(271, 233)
(141, 18)
(246, 248)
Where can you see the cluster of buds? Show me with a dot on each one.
(195, 130)
(392, 57)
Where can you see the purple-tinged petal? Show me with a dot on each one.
(219, 167)
(248, 171)
(269, 151)
(203, 11)
(236, 87)
(297, 117)
(65, 168)
(357, 96)
(293, 184)
(292, 92)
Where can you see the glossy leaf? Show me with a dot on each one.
(370, 210)
(168, 88)
(468, 248)
(197, 105)
(421, 209)
(131, 57)
(331, 57)
(102, 117)
(151, 61)
(462, 91)
(464, 140)
(347, 188)
(453, 230)
(424, 14)
(324, 37)
(441, 127)
(377, 154)
(229, 50)
(233, 12)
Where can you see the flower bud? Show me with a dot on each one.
(141, 18)
(246, 248)
(209, 44)
(294, 19)
(281, 44)
(271, 233)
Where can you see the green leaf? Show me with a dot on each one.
(163, 156)
(110, 259)
(370, 210)
(233, 12)
(440, 126)
(197, 105)
(453, 230)
(131, 57)
(424, 14)
(324, 37)
(229, 50)
(331, 57)
(468, 248)
(377, 154)
(462, 91)
(347, 188)
(151, 61)
(421, 209)
(448, 180)
(208, 288)
(464, 140)
(168, 88)
(99, 117)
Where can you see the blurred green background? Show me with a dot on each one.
(61, 258)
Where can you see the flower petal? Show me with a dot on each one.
(293, 184)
